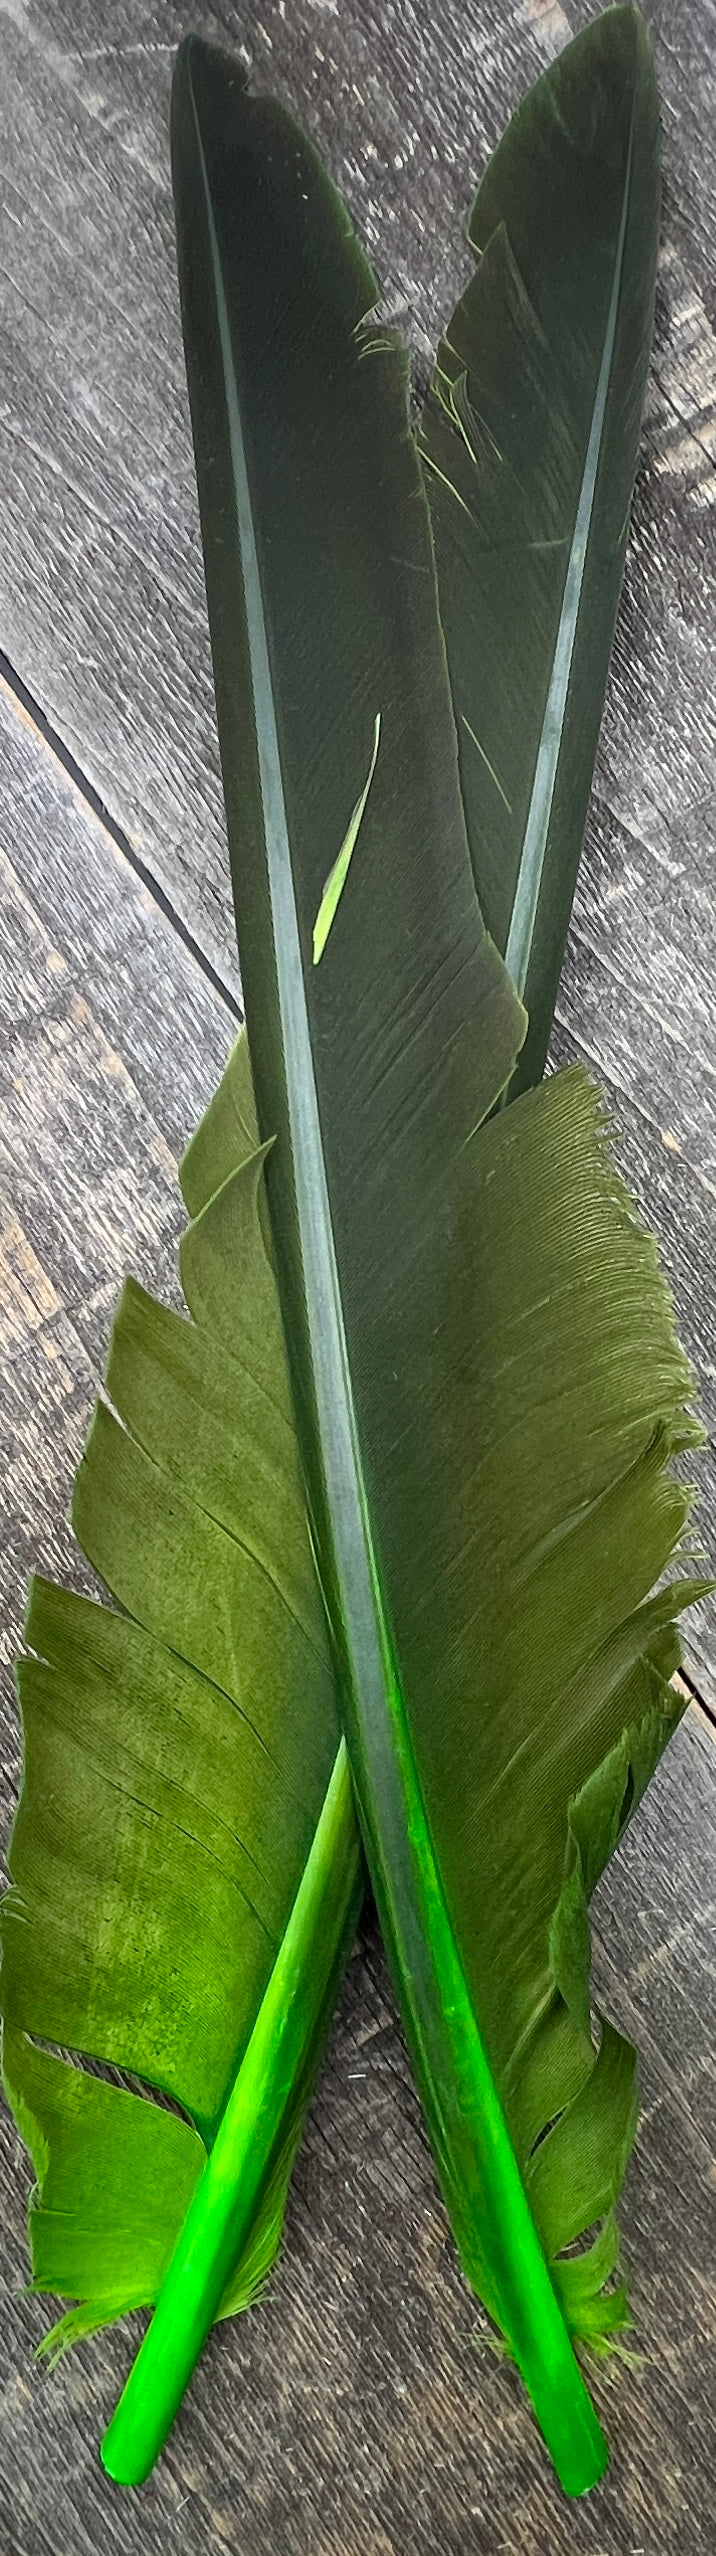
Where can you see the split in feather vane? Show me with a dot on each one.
(486, 1381)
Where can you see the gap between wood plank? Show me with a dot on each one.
(685, 1682)
(30, 709)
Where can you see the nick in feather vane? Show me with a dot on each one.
(386, 1515)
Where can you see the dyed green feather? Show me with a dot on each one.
(529, 442)
(487, 1387)
(436, 1498)
(176, 1763)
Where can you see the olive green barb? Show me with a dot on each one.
(389, 1511)
(186, 1869)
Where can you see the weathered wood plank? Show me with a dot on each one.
(353, 2413)
(92, 1116)
(101, 601)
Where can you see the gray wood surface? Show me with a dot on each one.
(353, 2411)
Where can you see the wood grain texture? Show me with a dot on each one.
(353, 2414)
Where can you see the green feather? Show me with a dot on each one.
(529, 442)
(176, 1764)
(409, 1463)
